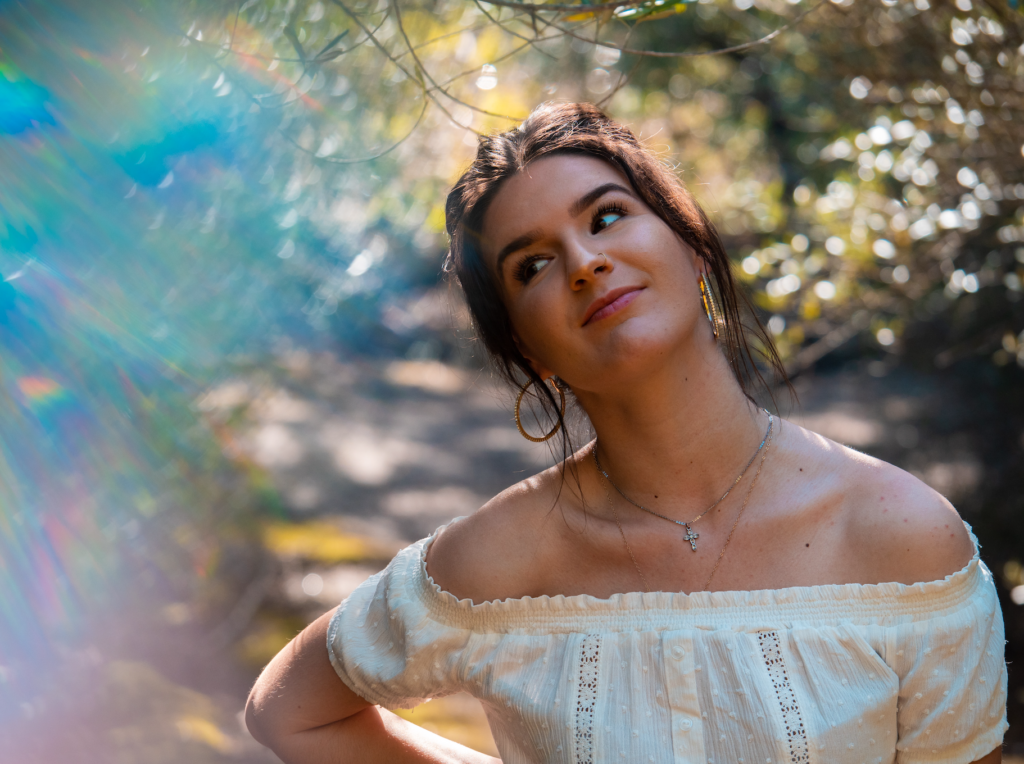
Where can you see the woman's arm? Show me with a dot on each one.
(303, 712)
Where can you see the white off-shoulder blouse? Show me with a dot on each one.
(834, 674)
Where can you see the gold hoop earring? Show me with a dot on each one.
(519, 424)
(711, 309)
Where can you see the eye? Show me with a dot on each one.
(606, 215)
(529, 267)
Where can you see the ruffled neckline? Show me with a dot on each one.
(820, 600)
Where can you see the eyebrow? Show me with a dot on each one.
(576, 209)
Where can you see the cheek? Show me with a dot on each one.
(542, 324)
(655, 248)
(531, 326)
(678, 268)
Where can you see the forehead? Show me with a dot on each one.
(540, 195)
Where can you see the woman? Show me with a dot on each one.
(702, 582)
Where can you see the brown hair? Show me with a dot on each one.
(581, 128)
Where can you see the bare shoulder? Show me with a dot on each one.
(896, 527)
(493, 553)
(910, 531)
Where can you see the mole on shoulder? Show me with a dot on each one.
(801, 469)
(807, 545)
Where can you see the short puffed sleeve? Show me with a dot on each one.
(387, 646)
(952, 690)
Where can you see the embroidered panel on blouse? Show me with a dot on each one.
(792, 722)
(586, 681)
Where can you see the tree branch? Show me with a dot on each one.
(505, 29)
(671, 54)
(535, 7)
(378, 155)
(423, 69)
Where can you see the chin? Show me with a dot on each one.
(636, 347)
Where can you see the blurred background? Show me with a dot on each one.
(234, 381)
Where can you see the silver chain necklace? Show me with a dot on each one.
(690, 535)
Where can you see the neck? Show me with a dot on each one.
(676, 440)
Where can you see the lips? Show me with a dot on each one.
(610, 303)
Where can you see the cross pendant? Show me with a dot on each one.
(691, 537)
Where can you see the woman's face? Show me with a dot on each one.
(598, 287)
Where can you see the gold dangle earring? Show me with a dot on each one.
(519, 423)
(711, 309)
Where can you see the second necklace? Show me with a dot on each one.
(690, 535)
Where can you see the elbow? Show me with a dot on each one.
(253, 722)
(256, 717)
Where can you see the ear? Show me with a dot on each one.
(542, 372)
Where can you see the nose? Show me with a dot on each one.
(586, 267)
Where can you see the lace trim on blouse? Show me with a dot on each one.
(792, 722)
(587, 673)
